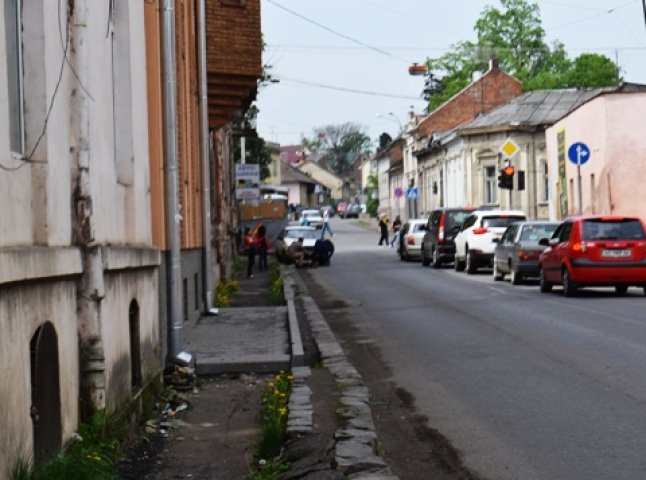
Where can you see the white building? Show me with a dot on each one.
(78, 277)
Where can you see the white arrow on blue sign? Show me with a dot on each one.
(578, 153)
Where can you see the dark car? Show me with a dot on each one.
(595, 251)
(516, 253)
(442, 227)
(352, 211)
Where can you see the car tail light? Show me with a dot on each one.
(410, 240)
(440, 232)
(523, 255)
(479, 231)
(579, 247)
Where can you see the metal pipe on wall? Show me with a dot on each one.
(207, 274)
(173, 217)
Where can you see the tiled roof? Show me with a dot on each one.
(289, 174)
(538, 108)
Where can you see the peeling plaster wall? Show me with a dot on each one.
(612, 181)
(23, 308)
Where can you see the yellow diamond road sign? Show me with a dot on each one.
(509, 148)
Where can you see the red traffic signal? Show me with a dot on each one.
(506, 178)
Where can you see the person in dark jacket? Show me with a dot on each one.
(397, 225)
(250, 249)
(262, 244)
(383, 230)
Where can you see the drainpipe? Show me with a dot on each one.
(173, 269)
(91, 288)
(207, 274)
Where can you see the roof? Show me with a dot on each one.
(541, 107)
(289, 174)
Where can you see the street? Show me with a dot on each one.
(525, 385)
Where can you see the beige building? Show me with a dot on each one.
(612, 178)
(326, 178)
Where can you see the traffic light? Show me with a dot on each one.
(506, 178)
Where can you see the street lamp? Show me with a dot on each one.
(394, 118)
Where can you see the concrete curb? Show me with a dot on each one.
(355, 438)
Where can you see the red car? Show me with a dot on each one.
(595, 251)
(341, 208)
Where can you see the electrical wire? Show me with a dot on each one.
(604, 12)
(344, 89)
(339, 34)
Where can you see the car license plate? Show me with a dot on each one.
(615, 253)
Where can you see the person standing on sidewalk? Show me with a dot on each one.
(250, 249)
(262, 244)
(397, 225)
(383, 230)
(326, 224)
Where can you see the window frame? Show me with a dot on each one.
(17, 64)
(490, 187)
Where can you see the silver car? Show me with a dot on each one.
(409, 244)
(516, 253)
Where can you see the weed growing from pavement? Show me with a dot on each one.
(90, 456)
(274, 415)
(269, 470)
(223, 292)
(276, 287)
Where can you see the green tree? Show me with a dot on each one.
(514, 36)
(384, 139)
(371, 189)
(257, 152)
(339, 145)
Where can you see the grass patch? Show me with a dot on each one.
(274, 415)
(276, 286)
(90, 456)
(223, 292)
(269, 470)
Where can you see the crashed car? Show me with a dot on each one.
(316, 250)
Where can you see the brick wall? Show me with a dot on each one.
(494, 88)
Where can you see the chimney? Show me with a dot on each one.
(493, 64)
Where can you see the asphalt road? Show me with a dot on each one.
(526, 385)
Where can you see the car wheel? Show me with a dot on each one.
(425, 261)
(458, 264)
(621, 289)
(437, 263)
(545, 286)
(569, 287)
(470, 265)
(497, 274)
(515, 277)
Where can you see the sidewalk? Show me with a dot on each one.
(331, 434)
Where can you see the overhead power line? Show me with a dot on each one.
(339, 34)
(345, 89)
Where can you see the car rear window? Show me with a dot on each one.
(454, 218)
(418, 227)
(605, 229)
(533, 233)
(498, 221)
(302, 233)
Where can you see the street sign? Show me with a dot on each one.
(247, 175)
(411, 193)
(578, 153)
(509, 148)
(398, 192)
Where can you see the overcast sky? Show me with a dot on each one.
(347, 60)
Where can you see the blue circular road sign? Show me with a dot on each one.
(578, 153)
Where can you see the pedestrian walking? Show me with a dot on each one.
(262, 244)
(383, 230)
(326, 224)
(397, 225)
(250, 249)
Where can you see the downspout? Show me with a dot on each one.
(91, 289)
(207, 274)
(173, 270)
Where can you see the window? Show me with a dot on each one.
(13, 38)
(490, 188)
(546, 183)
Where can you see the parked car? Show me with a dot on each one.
(310, 236)
(594, 251)
(443, 224)
(517, 252)
(474, 244)
(409, 245)
(341, 208)
(352, 211)
(311, 218)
